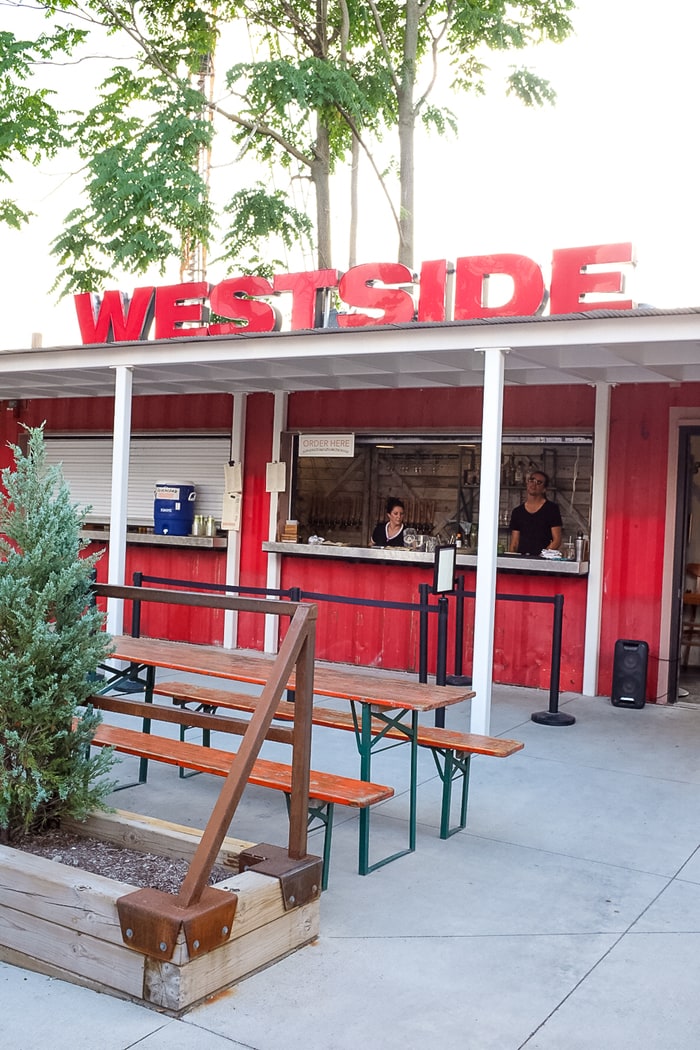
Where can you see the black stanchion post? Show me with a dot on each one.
(555, 717)
(441, 663)
(94, 676)
(459, 624)
(294, 596)
(137, 580)
(423, 590)
(458, 678)
(131, 684)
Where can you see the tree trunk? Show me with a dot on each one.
(354, 216)
(320, 176)
(407, 121)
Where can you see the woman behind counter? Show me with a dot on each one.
(390, 534)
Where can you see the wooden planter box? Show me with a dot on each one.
(63, 922)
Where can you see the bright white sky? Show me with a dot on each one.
(615, 160)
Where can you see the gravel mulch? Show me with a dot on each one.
(115, 862)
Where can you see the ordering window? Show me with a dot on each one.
(438, 481)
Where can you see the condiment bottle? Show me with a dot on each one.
(579, 546)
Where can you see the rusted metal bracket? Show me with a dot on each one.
(151, 921)
(300, 880)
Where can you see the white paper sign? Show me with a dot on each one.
(338, 445)
(231, 512)
(275, 477)
(233, 477)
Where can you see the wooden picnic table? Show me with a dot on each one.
(381, 703)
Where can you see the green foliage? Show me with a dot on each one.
(439, 119)
(143, 192)
(499, 25)
(51, 643)
(320, 74)
(259, 216)
(31, 128)
(529, 88)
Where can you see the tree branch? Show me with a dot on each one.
(385, 45)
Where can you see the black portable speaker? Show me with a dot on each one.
(629, 681)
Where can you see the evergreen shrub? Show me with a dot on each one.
(51, 644)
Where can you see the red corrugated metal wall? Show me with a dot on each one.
(173, 563)
(167, 412)
(524, 407)
(634, 539)
(255, 509)
(635, 521)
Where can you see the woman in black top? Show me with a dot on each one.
(390, 534)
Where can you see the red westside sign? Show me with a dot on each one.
(441, 292)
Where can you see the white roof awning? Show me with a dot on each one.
(639, 346)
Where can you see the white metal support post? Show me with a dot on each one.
(594, 597)
(120, 494)
(233, 551)
(274, 562)
(489, 493)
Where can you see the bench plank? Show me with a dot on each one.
(324, 788)
(328, 787)
(428, 736)
(451, 750)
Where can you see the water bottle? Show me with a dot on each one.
(579, 546)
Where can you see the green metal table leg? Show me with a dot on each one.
(328, 819)
(446, 775)
(465, 791)
(366, 743)
(365, 746)
(413, 797)
(451, 768)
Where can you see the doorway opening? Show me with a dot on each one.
(684, 684)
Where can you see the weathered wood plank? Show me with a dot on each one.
(62, 921)
(95, 957)
(151, 835)
(176, 988)
(428, 736)
(325, 786)
(364, 687)
(57, 893)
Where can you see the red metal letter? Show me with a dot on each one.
(435, 287)
(360, 287)
(178, 305)
(114, 318)
(473, 273)
(571, 281)
(233, 298)
(307, 303)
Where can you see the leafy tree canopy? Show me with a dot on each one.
(322, 78)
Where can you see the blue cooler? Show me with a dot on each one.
(173, 508)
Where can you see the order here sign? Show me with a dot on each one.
(339, 445)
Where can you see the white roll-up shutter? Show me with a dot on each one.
(87, 467)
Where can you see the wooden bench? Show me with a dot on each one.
(326, 790)
(452, 751)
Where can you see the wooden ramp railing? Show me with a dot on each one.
(151, 920)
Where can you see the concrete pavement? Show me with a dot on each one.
(566, 916)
